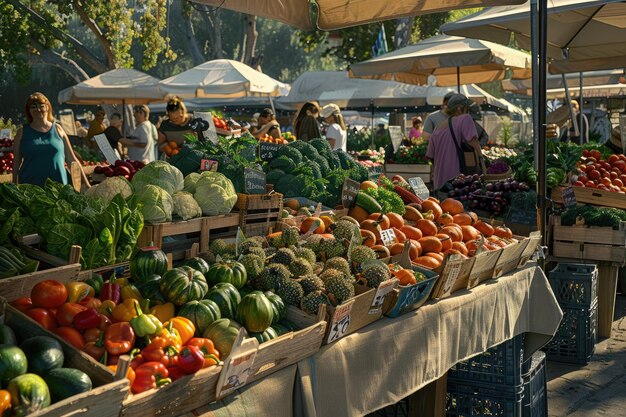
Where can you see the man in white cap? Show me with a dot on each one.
(434, 118)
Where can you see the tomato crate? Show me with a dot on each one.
(575, 339)
(501, 365)
(593, 196)
(535, 403)
(104, 400)
(574, 285)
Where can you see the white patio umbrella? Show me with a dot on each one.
(222, 78)
(452, 60)
(333, 14)
(590, 79)
(583, 35)
(114, 87)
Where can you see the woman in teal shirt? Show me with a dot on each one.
(41, 147)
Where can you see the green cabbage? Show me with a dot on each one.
(161, 174)
(156, 204)
(110, 187)
(190, 182)
(215, 194)
(185, 206)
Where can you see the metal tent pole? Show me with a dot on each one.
(541, 34)
(458, 80)
(581, 126)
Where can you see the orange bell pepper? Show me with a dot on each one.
(185, 327)
(130, 374)
(211, 355)
(119, 338)
(5, 402)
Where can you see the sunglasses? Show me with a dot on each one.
(138, 110)
(38, 107)
(173, 105)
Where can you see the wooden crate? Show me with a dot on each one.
(588, 242)
(455, 272)
(484, 266)
(14, 287)
(105, 400)
(259, 208)
(424, 171)
(6, 178)
(187, 232)
(534, 240)
(592, 196)
(510, 257)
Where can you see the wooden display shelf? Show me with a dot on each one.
(259, 213)
(424, 171)
(104, 400)
(592, 196)
(590, 243)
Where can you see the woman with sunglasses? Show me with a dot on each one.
(176, 125)
(306, 126)
(41, 147)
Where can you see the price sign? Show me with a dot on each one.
(208, 165)
(396, 137)
(349, 191)
(238, 366)
(210, 132)
(375, 172)
(254, 181)
(419, 188)
(340, 322)
(268, 150)
(451, 272)
(106, 148)
(518, 216)
(388, 236)
(5, 133)
(68, 123)
(384, 288)
(569, 198)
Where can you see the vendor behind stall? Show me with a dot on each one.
(176, 125)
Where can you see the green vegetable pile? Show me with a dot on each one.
(313, 170)
(62, 217)
(388, 199)
(594, 216)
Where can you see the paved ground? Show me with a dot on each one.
(599, 388)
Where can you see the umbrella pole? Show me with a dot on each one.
(541, 35)
(372, 130)
(580, 107)
(458, 80)
(124, 116)
(568, 100)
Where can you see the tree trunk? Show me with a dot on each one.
(216, 48)
(93, 26)
(402, 35)
(192, 41)
(249, 41)
(50, 57)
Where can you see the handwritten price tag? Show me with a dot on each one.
(207, 116)
(208, 165)
(268, 150)
(395, 132)
(349, 191)
(254, 181)
(388, 236)
(569, 198)
(451, 272)
(106, 148)
(238, 365)
(419, 188)
(384, 288)
(340, 322)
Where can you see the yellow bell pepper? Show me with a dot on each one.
(77, 290)
(130, 291)
(184, 326)
(106, 308)
(171, 334)
(163, 312)
(125, 311)
(122, 282)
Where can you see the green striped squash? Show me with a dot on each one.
(184, 284)
(227, 297)
(202, 313)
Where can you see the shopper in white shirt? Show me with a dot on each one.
(336, 132)
(141, 142)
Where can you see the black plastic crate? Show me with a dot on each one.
(467, 399)
(575, 339)
(535, 402)
(500, 365)
(574, 285)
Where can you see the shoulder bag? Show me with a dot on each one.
(468, 160)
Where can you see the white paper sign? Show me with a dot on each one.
(396, 137)
(5, 133)
(451, 272)
(388, 236)
(341, 321)
(384, 288)
(106, 148)
(210, 133)
(238, 366)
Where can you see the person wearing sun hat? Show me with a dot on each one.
(267, 124)
(441, 145)
(336, 133)
(433, 119)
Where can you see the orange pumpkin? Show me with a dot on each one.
(446, 242)
(412, 214)
(469, 233)
(411, 232)
(396, 249)
(445, 219)
(368, 184)
(312, 223)
(485, 228)
(358, 213)
(462, 219)
(328, 222)
(427, 227)
(381, 251)
(418, 206)
(395, 220)
(373, 226)
(460, 246)
(503, 232)
(427, 262)
(415, 250)
(473, 216)
(437, 255)
(452, 206)
(382, 220)
(454, 231)
(400, 237)
(368, 238)
(430, 205)
(405, 276)
(430, 244)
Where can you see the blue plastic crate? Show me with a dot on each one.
(501, 365)
(575, 339)
(535, 402)
(574, 285)
(467, 399)
(411, 297)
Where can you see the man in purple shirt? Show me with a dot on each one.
(441, 148)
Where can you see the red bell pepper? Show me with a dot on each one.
(191, 359)
(95, 349)
(119, 338)
(211, 355)
(87, 319)
(110, 291)
(150, 375)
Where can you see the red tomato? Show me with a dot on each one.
(613, 175)
(594, 175)
(623, 178)
(42, 316)
(583, 179)
(23, 304)
(48, 294)
(606, 166)
(579, 184)
(613, 158)
(71, 336)
(585, 153)
(621, 165)
(592, 159)
(595, 153)
(591, 184)
(618, 182)
(65, 313)
(606, 182)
